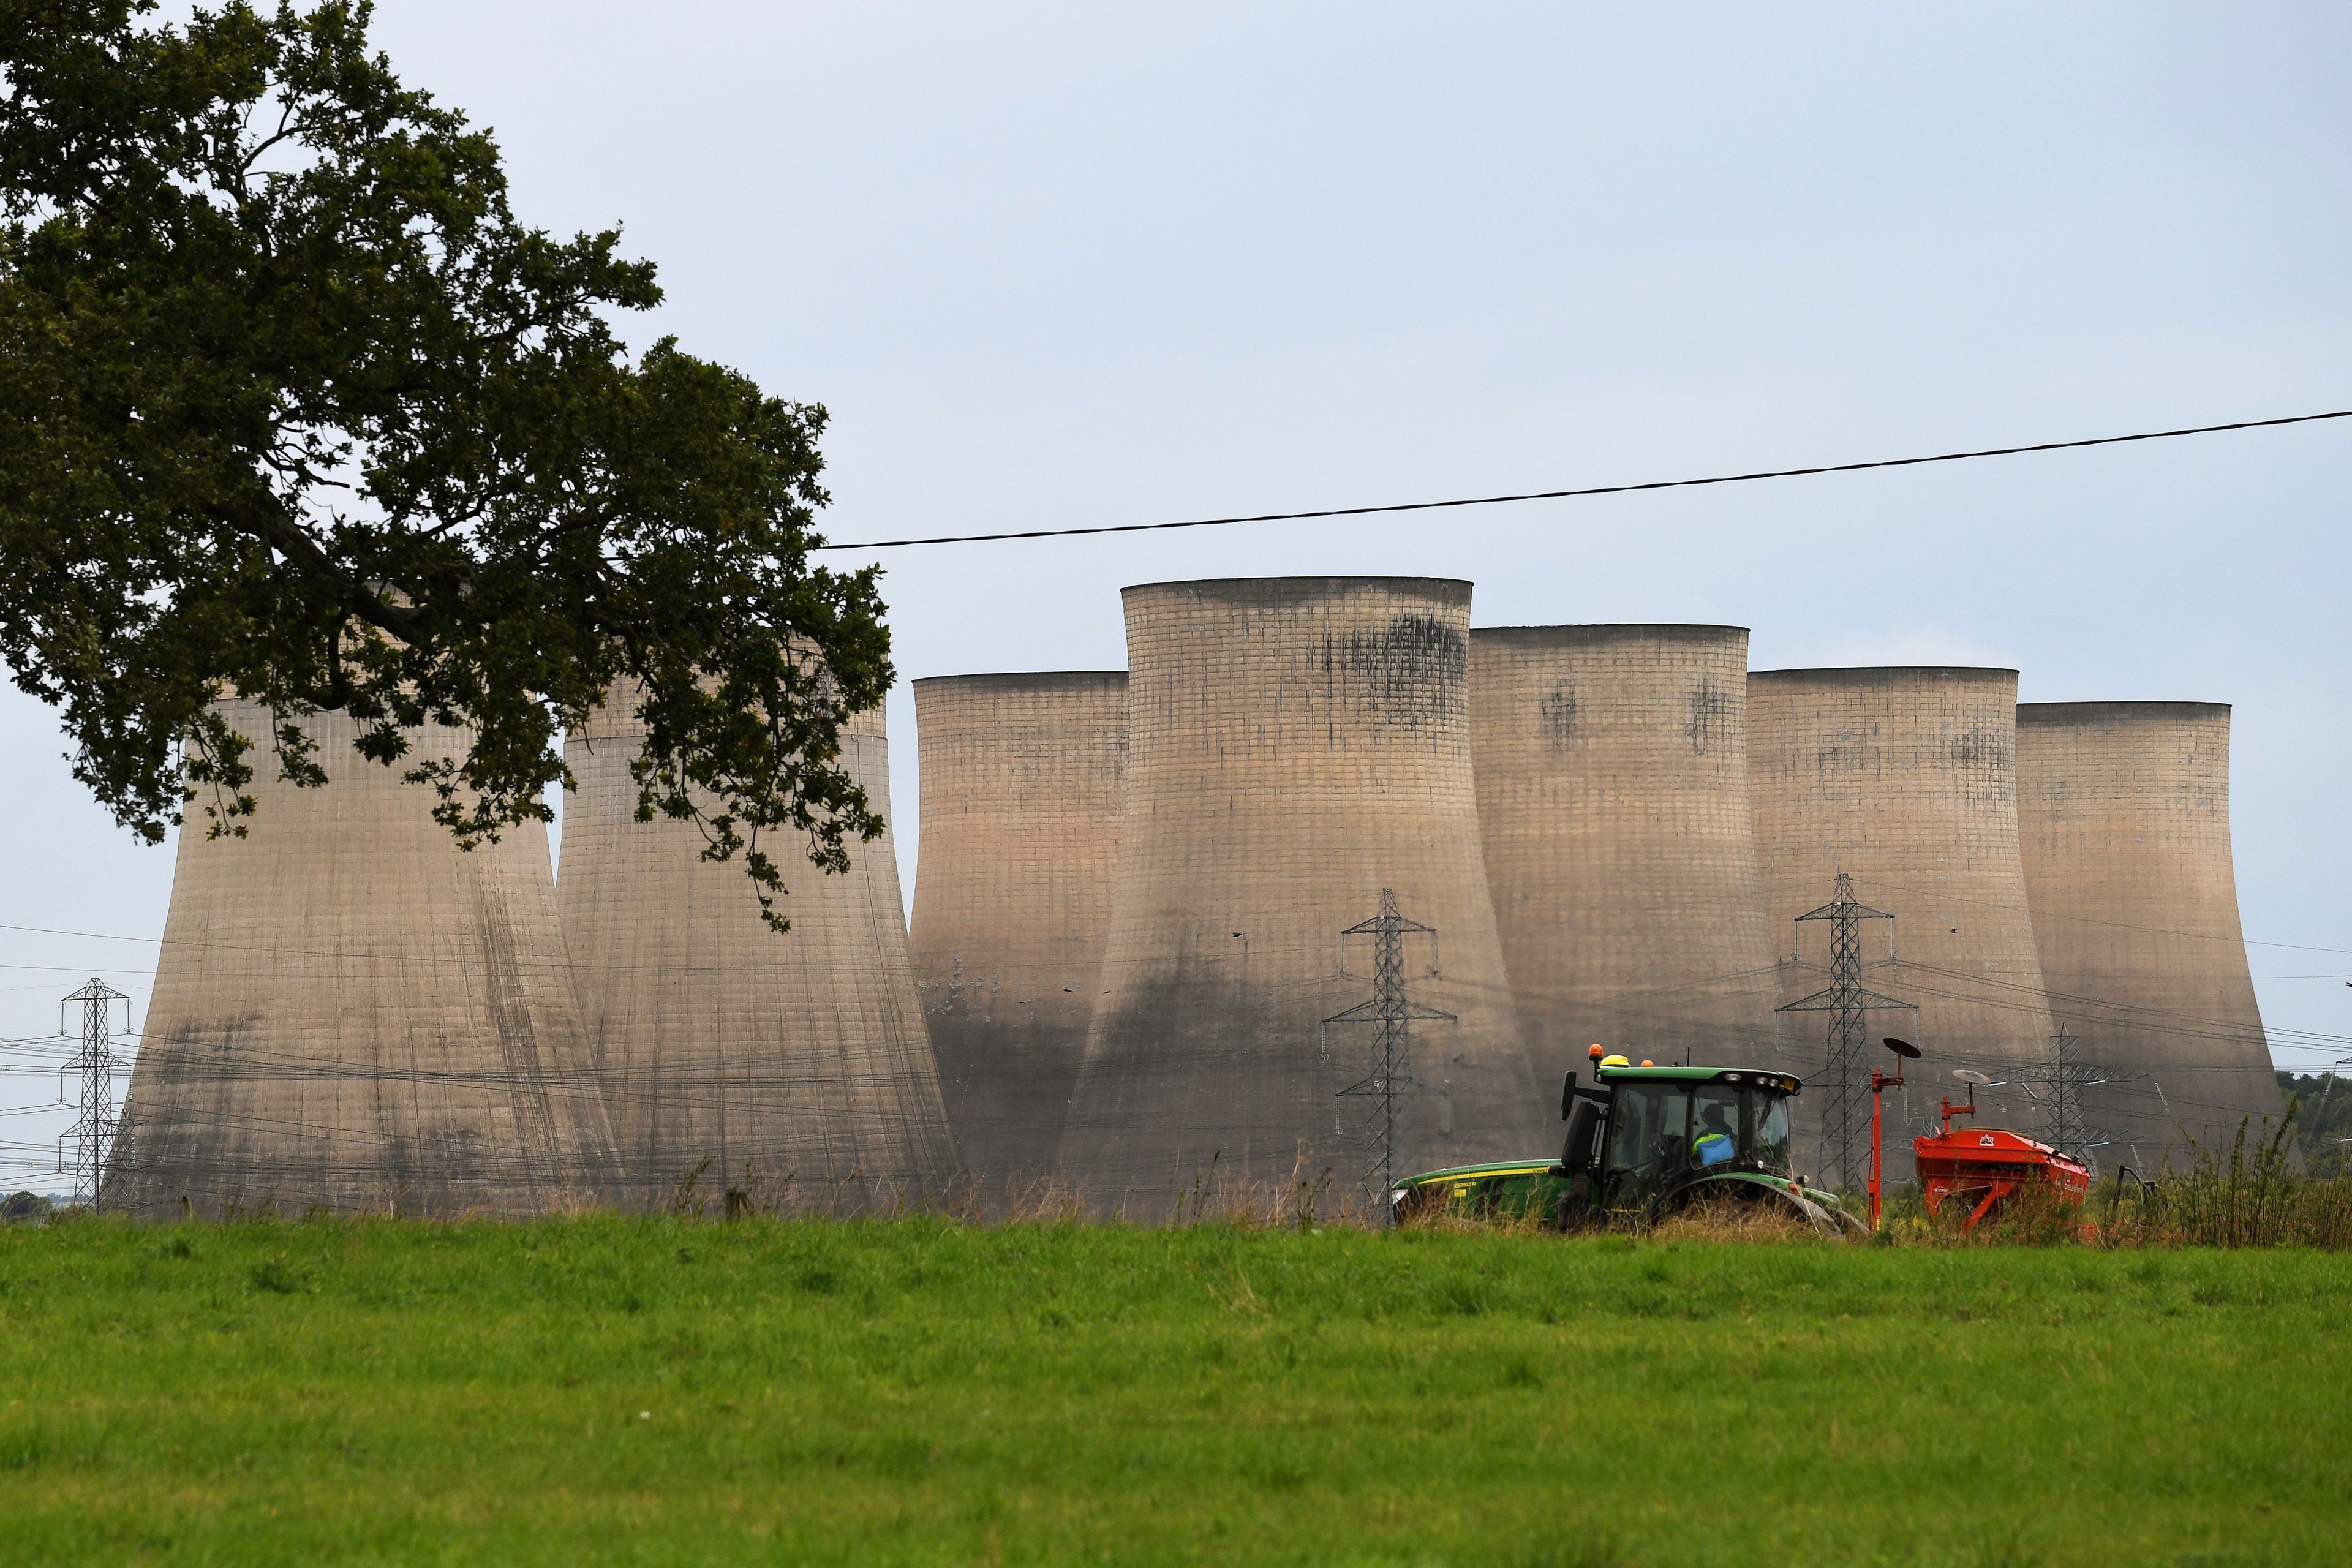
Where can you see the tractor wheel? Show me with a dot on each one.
(1573, 1212)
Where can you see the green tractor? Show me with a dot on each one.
(1646, 1143)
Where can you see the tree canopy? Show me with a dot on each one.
(293, 408)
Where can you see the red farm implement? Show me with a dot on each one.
(1985, 1167)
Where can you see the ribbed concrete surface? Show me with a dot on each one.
(1021, 777)
(2123, 811)
(1612, 793)
(793, 1066)
(1295, 746)
(352, 1014)
(1907, 779)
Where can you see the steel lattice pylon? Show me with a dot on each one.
(1388, 1088)
(1845, 1119)
(2057, 1085)
(82, 1152)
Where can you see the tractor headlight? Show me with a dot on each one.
(1396, 1196)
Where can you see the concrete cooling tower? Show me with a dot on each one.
(1020, 779)
(2123, 815)
(353, 1015)
(1906, 779)
(791, 1067)
(1295, 746)
(1612, 793)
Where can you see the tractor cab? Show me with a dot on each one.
(1662, 1129)
(1642, 1142)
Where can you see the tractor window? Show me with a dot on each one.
(1634, 1128)
(1674, 1137)
(1649, 1137)
(1767, 1137)
(1714, 1126)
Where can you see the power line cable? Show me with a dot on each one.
(1947, 896)
(1588, 490)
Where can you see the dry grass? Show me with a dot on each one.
(1733, 1221)
(1311, 1199)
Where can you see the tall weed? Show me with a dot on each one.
(2251, 1195)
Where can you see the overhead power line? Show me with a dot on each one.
(1590, 489)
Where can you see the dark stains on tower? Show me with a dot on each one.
(1411, 672)
(1556, 718)
(1712, 715)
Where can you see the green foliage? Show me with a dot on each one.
(918, 1392)
(293, 407)
(2323, 1120)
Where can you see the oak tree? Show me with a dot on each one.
(293, 408)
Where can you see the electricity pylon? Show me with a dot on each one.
(1388, 1089)
(1845, 1119)
(2056, 1085)
(92, 1068)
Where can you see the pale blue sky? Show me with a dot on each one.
(1056, 265)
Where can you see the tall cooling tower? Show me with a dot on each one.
(1021, 796)
(1612, 793)
(1905, 778)
(353, 1013)
(1297, 745)
(792, 1068)
(2124, 812)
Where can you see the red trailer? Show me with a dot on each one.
(1984, 1166)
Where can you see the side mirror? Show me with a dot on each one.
(1567, 1093)
(1583, 1131)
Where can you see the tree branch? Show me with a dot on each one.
(270, 521)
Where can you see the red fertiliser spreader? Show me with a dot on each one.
(1984, 1167)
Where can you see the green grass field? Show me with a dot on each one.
(619, 1391)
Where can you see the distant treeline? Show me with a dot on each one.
(2323, 1120)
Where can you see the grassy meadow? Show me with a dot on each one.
(628, 1391)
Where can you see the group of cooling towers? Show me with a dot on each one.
(1128, 918)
